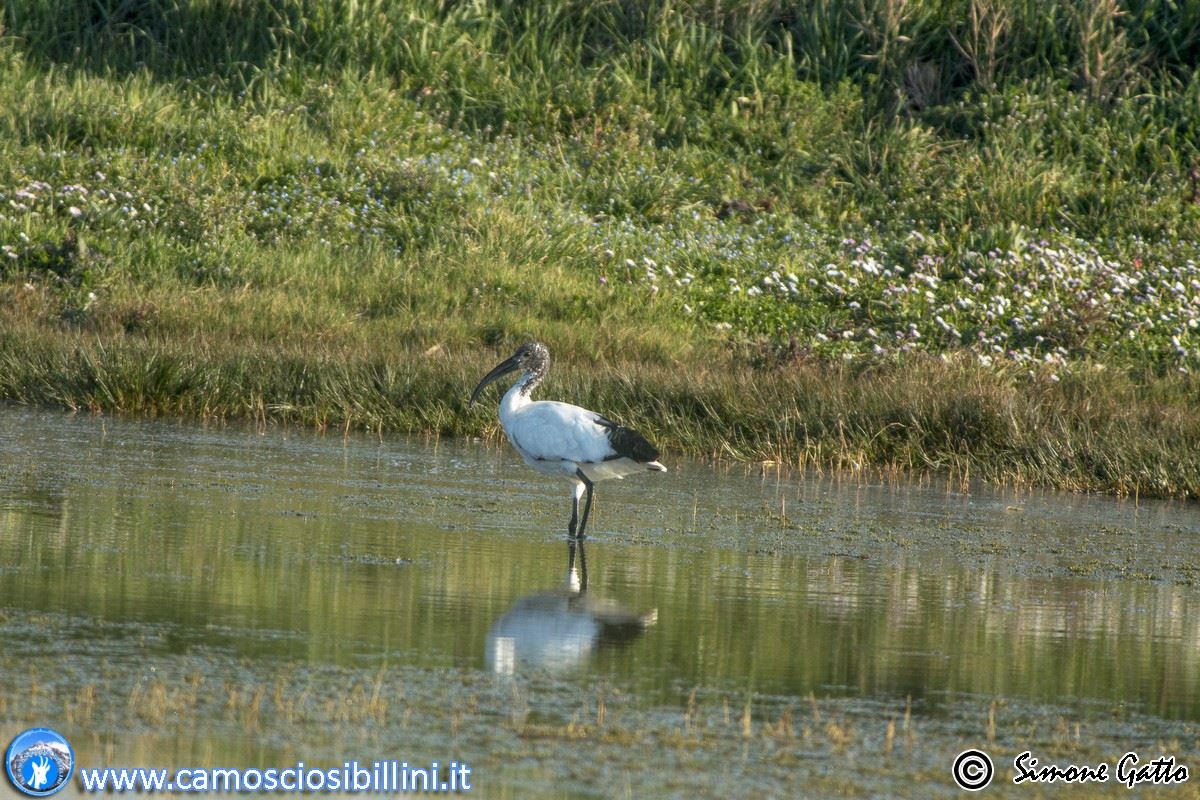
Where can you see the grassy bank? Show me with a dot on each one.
(956, 236)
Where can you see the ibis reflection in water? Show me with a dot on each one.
(559, 629)
(562, 439)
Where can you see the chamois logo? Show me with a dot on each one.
(39, 769)
(39, 762)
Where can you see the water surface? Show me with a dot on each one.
(176, 595)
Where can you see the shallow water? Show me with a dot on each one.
(174, 595)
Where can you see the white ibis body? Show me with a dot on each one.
(562, 439)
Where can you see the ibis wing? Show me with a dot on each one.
(550, 431)
(626, 442)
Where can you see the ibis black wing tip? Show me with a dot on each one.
(628, 443)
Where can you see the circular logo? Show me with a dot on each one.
(973, 770)
(39, 762)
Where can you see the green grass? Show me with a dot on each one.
(955, 236)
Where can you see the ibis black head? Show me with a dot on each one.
(532, 358)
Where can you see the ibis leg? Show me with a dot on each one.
(587, 506)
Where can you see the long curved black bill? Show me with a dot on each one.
(503, 368)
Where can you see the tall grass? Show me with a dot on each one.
(974, 43)
(1093, 432)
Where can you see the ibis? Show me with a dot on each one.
(562, 439)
